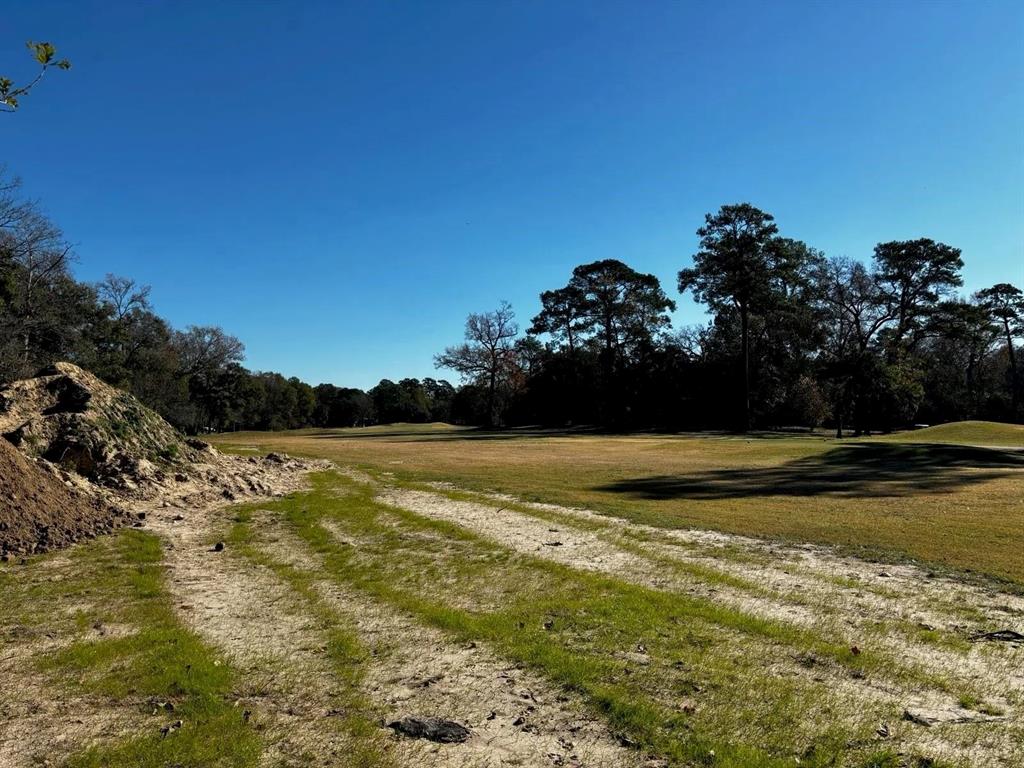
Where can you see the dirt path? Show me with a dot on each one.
(244, 610)
(809, 586)
(286, 680)
(516, 718)
(913, 593)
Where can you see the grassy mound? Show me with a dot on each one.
(966, 433)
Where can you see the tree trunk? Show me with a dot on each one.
(490, 398)
(1014, 381)
(609, 395)
(745, 337)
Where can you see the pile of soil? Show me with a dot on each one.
(38, 512)
(90, 450)
(76, 421)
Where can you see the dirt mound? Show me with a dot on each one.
(73, 419)
(38, 512)
(92, 450)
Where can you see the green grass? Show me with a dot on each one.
(579, 630)
(931, 496)
(987, 433)
(121, 580)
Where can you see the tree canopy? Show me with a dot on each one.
(794, 339)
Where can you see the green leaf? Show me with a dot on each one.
(44, 52)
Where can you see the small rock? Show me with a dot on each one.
(176, 725)
(432, 729)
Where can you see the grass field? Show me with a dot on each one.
(950, 496)
(612, 632)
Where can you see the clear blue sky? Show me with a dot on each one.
(338, 184)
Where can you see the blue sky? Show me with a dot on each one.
(339, 184)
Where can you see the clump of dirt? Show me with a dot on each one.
(76, 421)
(38, 512)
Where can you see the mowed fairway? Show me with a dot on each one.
(949, 496)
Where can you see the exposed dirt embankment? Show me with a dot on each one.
(38, 512)
(92, 450)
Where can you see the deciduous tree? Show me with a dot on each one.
(488, 355)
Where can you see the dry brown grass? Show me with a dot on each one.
(948, 504)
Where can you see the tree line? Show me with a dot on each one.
(192, 377)
(795, 339)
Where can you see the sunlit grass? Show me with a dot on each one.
(891, 498)
(154, 659)
(582, 630)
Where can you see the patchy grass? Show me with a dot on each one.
(931, 496)
(119, 581)
(343, 648)
(682, 677)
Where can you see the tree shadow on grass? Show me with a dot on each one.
(413, 435)
(863, 470)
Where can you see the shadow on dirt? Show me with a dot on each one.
(863, 470)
